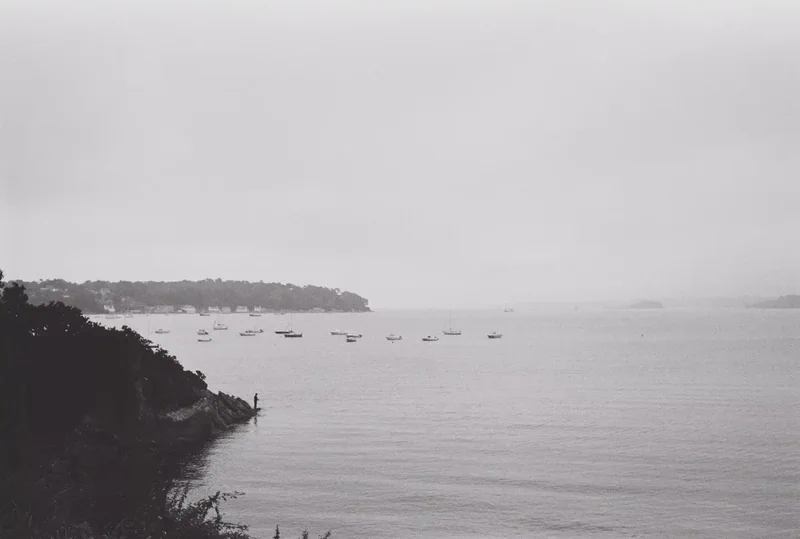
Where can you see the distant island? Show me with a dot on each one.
(214, 295)
(790, 301)
(647, 304)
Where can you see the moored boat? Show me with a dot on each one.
(220, 326)
(204, 339)
(393, 337)
(494, 335)
(451, 330)
(351, 339)
(354, 335)
(338, 332)
(430, 338)
(202, 332)
(293, 335)
(247, 334)
(161, 331)
(288, 330)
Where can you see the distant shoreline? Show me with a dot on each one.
(190, 297)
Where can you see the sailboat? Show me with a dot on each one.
(163, 329)
(219, 325)
(288, 329)
(150, 344)
(450, 330)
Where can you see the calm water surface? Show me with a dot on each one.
(575, 424)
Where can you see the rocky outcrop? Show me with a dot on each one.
(212, 414)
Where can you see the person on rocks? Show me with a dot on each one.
(255, 402)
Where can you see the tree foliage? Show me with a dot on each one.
(78, 457)
(58, 367)
(91, 296)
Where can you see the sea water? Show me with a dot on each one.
(613, 423)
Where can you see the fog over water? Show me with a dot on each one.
(420, 153)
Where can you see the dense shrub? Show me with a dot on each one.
(79, 458)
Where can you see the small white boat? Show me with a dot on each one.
(351, 339)
(220, 326)
(494, 335)
(202, 332)
(254, 331)
(430, 338)
(204, 339)
(161, 331)
(293, 335)
(450, 330)
(354, 335)
(393, 337)
(205, 314)
(247, 334)
(255, 314)
(338, 332)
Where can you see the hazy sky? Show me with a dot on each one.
(420, 153)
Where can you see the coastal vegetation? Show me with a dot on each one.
(97, 296)
(790, 301)
(93, 424)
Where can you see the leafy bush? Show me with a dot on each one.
(78, 458)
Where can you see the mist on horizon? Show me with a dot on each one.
(434, 154)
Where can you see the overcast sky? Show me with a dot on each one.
(420, 153)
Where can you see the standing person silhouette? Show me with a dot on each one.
(255, 402)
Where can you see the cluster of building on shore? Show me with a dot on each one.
(191, 309)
